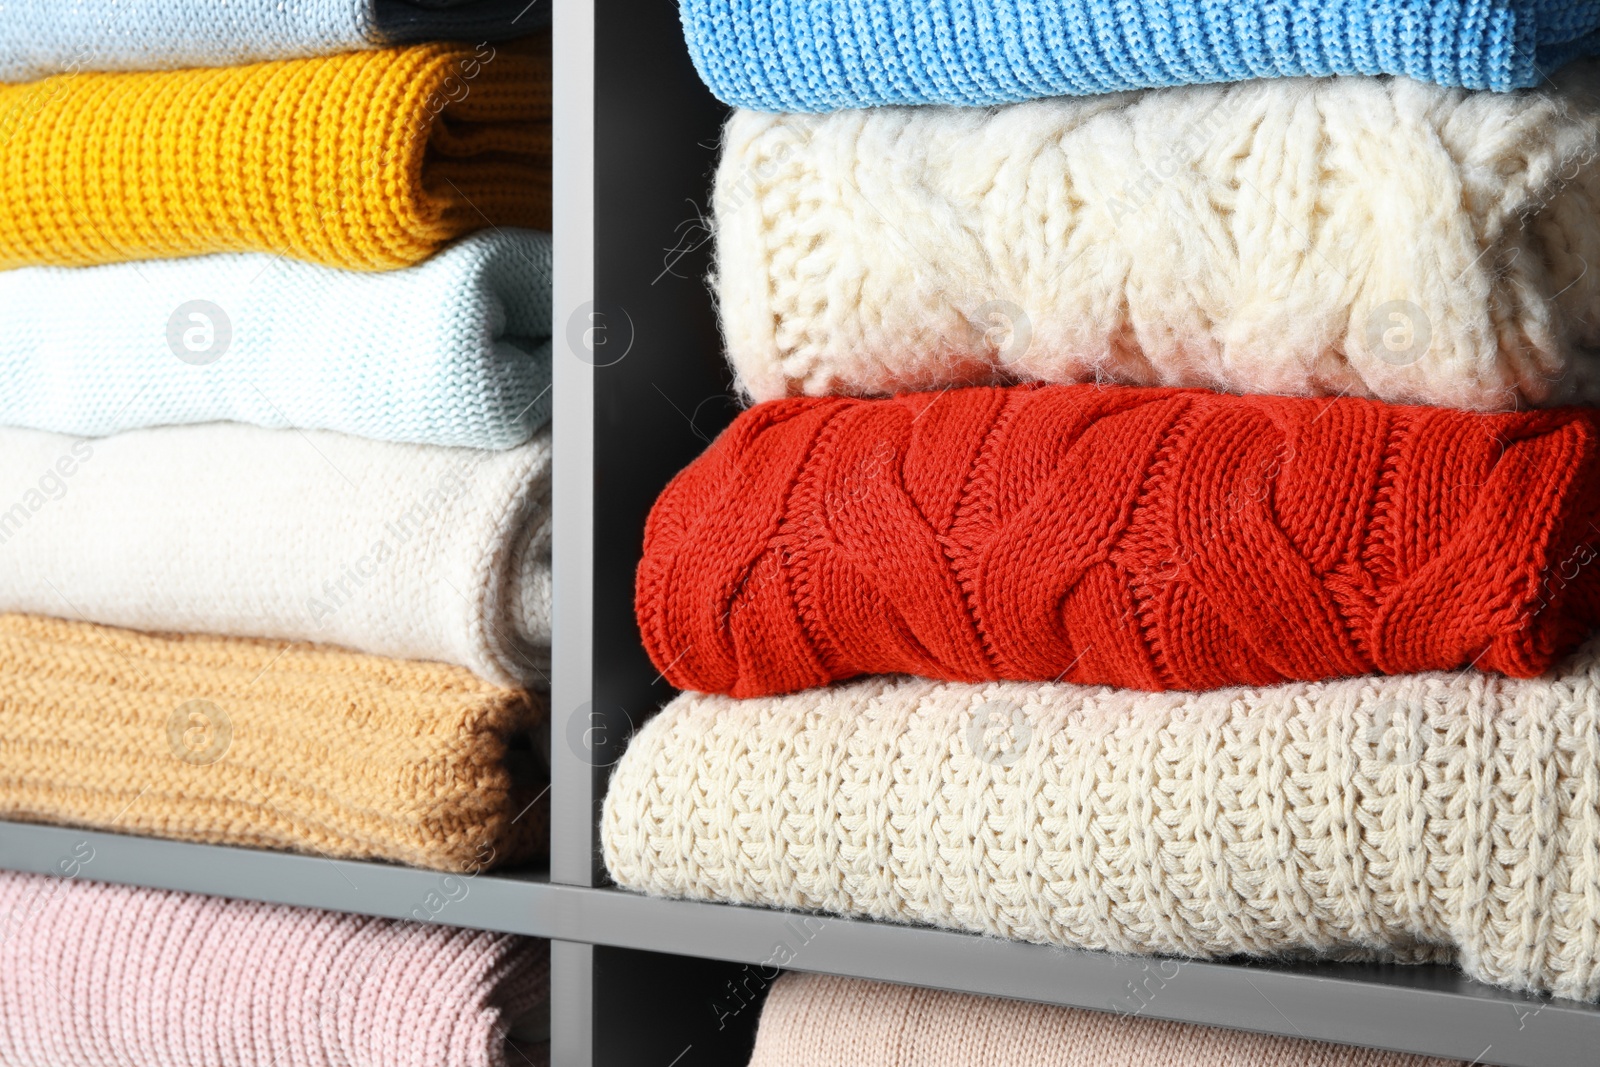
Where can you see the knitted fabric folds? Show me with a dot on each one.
(453, 351)
(811, 1019)
(43, 37)
(366, 160)
(826, 55)
(1432, 816)
(1247, 238)
(1148, 538)
(409, 551)
(266, 744)
(98, 975)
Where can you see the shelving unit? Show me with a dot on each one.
(709, 963)
(641, 390)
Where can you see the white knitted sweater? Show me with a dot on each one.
(1413, 817)
(453, 351)
(413, 551)
(1374, 237)
(43, 37)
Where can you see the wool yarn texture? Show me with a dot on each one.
(96, 975)
(453, 351)
(1432, 817)
(367, 160)
(828, 55)
(1148, 538)
(409, 551)
(1346, 236)
(43, 37)
(267, 744)
(810, 1019)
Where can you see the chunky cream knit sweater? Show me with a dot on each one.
(1363, 236)
(1431, 816)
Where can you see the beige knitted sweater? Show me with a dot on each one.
(1412, 817)
(1362, 236)
(267, 744)
(811, 1020)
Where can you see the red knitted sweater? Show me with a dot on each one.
(1146, 538)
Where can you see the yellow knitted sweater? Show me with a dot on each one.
(369, 160)
(265, 744)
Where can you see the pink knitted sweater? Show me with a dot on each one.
(95, 975)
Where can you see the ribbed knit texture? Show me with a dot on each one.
(1425, 817)
(410, 551)
(823, 55)
(43, 37)
(809, 1020)
(267, 744)
(1346, 236)
(96, 975)
(454, 351)
(1149, 538)
(367, 160)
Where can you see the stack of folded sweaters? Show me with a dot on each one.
(274, 509)
(1164, 525)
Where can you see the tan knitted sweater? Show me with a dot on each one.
(265, 744)
(811, 1020)
(1452, 816)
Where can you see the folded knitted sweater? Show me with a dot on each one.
(367, 160)
(810, 1019)
(411, 551)
(1347, 236)
(1147, 538)
(44, 37)
(100, 975)
(267, 744)
(453, 351)
(1434, 816)
(823, 55)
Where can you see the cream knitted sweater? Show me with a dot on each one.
(1413, 817)
(411, 551)
(814, 1019)
(1363, 236)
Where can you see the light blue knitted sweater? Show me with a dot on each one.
(827, 55)
(454, 351)
(43, 37)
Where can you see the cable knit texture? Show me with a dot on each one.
(812, 1019)
(824, 55)
(367, 160)
(1428, 817)
(43, 37)
(1148, 538)
(266, 744)
(454, 351)
(1349, 236)
(114, 976)
(410, 551)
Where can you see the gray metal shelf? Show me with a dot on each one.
(1430, 1010)
(514, 903)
